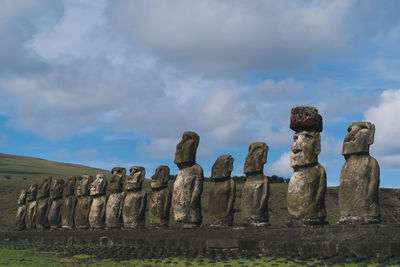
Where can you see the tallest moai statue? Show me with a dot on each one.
(307, 186)
(359, 179)
(188, 186)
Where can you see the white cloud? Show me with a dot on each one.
(281, 167)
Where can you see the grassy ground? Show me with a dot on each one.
(10, 257)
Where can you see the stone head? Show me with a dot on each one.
(160, 177)
(98, 186)
(305, 149)
(56, 190)
(222, 167)
(135, 179)
(22, 197)
(256, 158)
(31, 193)
(44, 188)
(117, 179)
(83, 187)
(69, 187)
(185, 155)
(360, 135)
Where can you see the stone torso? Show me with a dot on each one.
(159, 206)
(67, 212)
(30, 215)
(54, 213)
(306, 193)
(20, 218)
(82, 209)
(186, 198)
(220, 204)
(42, 208)
(359, 183)
(97, 212)
(255, 195)
(133, 212)
(114, 210)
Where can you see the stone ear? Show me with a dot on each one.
(317, 143)
(371, 133)
(230, 167)
(265, 154)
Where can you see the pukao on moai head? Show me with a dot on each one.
(43, 203)
(115, 199)
(69, 203)
(21, 212)
(31, 207)
(186, 200)
(98, 208)
(160, 200)
(135, 202)
(84, 201)
(222, 193)
(307, 186)
(255, 192)
(359, 178)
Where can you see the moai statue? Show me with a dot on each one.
(98, 208)
(222, 193)
(69, 203)
(84, 201)
(160, 200)
(188, 186)
(135, 202)
(115, 199)
(31, 207)
(21, 212)
(255, 192)
(307, 186)
(43, 204)
(359, 179)
(56, 191)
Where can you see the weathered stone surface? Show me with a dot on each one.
(305, 118)
(186, 197)
(43, 204)
(98, 207)
(21, 212)
(84, 201)
(222, 193)
(56, 191)
(135, 202)
(185, 154)
(307, 186)
(255, 192)
(359, 178)
(31, 207)
(69, 203)
(114, 206)
(160, 200)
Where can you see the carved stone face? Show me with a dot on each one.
(69, 187)
(360, 135)
(83, 188)
(185, 154)
(57, 189)
(31, 193)
(135, 178)
(117, 179)
(99, 185)
(22, 197)
(305, 148)
(44, 188)
(222, 167)
(160, 178)
(256, 158)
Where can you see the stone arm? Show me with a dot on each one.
(232, 196)
(167, 203)
(143, 203)
(373, 181)
(265, 195)
(48, 206)
(121, 205)
(321, 186)
(197, 189)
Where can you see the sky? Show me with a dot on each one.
(116, 83)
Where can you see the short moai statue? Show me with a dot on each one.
(307, 186)
(188, 186)
(43, 204)
(69, 203)
(30, 216)
(359, 179)
(56, 192)
(160, 200)
(21, 212)
(97, 212)
(222, 193)
(135, 202)
(255, 192)
(115, 199)
(84, 201)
